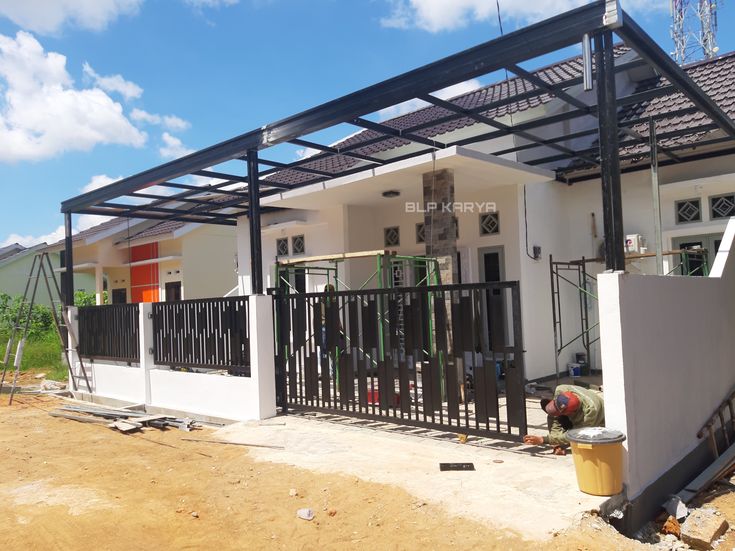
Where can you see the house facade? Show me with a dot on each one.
(135, 261)
(511, 212)
(15, 271)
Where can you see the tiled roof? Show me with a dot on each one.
(10, 250)
(715, 77)
(557, 72)
(99, 228)
(163, 228)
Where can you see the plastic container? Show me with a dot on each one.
(598, 460)
(575, 370)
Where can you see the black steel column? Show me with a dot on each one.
(68, 288)
(612, 207)
(256, 248)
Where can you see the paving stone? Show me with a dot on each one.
(702, 527)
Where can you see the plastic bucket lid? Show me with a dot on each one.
(595, 435)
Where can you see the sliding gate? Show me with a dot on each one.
(448, 357)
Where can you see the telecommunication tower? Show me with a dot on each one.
(693, 29)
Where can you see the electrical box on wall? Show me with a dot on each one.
(634, 243)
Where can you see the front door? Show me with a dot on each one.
(173, 291)
(694, 263)
(492, 269)
(119, 296)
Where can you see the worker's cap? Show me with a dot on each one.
(567, 402)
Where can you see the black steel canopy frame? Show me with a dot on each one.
(239, 195)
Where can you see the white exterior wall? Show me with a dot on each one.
(324, 233)
(667, 337)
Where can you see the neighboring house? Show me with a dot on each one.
(10, 250)
(533, 208)
(145, 261)
(15, 271)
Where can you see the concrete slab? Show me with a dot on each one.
(513, 487)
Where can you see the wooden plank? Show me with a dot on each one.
(718, 467)
(125, 426)
(335, 257)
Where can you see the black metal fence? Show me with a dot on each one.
(110, 332)
(203, 333)
(448, 357)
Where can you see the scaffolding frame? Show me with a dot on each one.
(386, 262)
(581, 280)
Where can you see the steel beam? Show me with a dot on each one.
(256, 247)
(612, 208)
(154, 216)
(221, 176)
(636, 38)
(504, 127)
(337, 151)
(527, 43)
(395, 133)
(68, 287)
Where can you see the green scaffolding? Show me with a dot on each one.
(425, 272)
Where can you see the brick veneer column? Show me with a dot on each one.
(440, 231)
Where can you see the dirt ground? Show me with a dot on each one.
(68, 485)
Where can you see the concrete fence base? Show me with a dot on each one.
(211, 395)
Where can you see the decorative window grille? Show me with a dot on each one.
(689, 210)
(722, 206)
(489, 223)
(392, 236)
(420, 233)
(282, 246)
(298, 245)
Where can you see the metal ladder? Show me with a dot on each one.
(41, 270)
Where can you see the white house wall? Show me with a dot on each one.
(324, 233)
(666, 337)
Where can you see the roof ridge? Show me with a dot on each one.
(701, 62)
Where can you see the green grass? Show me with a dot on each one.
(42, 354)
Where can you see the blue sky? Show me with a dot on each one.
(93, 90)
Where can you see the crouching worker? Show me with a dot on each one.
(572, 407)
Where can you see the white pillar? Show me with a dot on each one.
(243, 256)
(262, 353)
(72, 321)
(99, 284)
(145, 321)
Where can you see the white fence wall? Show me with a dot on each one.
(207, 394)
(668, 353)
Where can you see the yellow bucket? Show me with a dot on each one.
(598, 460)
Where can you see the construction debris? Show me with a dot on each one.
(702, 527)
(671, 526)
(456, 466)
(123, 420)
(676, 508)
(305, 514)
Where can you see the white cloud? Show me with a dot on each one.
(49, 16)
(173, 147)
(98, 181)
(172, 122)
(306, 152)
(113, 83)
(30, 240)
(43, 114)
(414, 104)
(441, 15)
